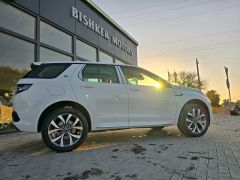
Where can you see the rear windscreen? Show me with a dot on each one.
(47, 71)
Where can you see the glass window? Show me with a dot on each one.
(100, 74)
(118, 61)
(17, 20)
(15, 58)
(86, 51)
(136, 76)
(47, 71)
(105, 58)
(47, 55)
(54, 37)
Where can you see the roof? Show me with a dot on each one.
(78, 62)
(111, 20)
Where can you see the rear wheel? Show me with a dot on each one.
(193, 120)
(64, 129)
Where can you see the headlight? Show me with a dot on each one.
(22, 87)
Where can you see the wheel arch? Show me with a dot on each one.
(199, 102)
(62, 104)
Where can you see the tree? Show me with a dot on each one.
(187, 79)
(214, 98)
(9, 77)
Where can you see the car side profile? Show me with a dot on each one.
(65, 101)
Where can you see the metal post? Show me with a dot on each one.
(199, 81)
(228, 84)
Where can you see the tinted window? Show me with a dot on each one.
(16, 56)
(105, 58)
(47, 71)
(54, 37)
(16, 20)
(136, 76)
(100, 74)
(118, 61)
(47, 55)
(86, 51)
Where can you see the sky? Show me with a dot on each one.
(173, 33)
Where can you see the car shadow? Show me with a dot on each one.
(32, 144)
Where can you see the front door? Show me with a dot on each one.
(151, 100)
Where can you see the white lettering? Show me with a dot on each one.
(91, 24)
(85, 21)
(106, 35)
(114, 40)
(74, 13)
(99, 30)
(80, 16)
(102, 32)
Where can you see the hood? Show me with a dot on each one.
(186, 88)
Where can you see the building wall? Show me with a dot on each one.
(34, 30)
(59, 13)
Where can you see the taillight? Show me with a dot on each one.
(22, 87)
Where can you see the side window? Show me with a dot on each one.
(136, 76)
(100, 74)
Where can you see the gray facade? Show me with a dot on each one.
(58, 13)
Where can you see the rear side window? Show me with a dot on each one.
(100, 74)
(47, 71)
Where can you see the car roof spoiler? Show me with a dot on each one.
(35, 64)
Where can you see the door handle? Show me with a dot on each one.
(133, 89)
(178, 94)
(87, 87)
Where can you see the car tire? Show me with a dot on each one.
(193, 120)
(64, 129)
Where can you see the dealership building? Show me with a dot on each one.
(60, 30)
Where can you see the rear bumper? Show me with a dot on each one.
(26, 112)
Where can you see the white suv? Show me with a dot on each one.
(65, 101)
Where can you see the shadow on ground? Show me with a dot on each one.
(31, 143)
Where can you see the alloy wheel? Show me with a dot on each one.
(65, 130)
(196, 120)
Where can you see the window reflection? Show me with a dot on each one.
(118, 61)
(54, 37)
(86, 51)
(17, 20)
(47, 55)
(105, 58)
(15, 58)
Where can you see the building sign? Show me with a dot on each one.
(101, 31)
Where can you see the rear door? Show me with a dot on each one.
(104, 95)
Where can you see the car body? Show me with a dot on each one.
(235, 110)
(109, 96)
(5, 113)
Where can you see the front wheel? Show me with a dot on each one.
(64, 129)
(193, 120)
